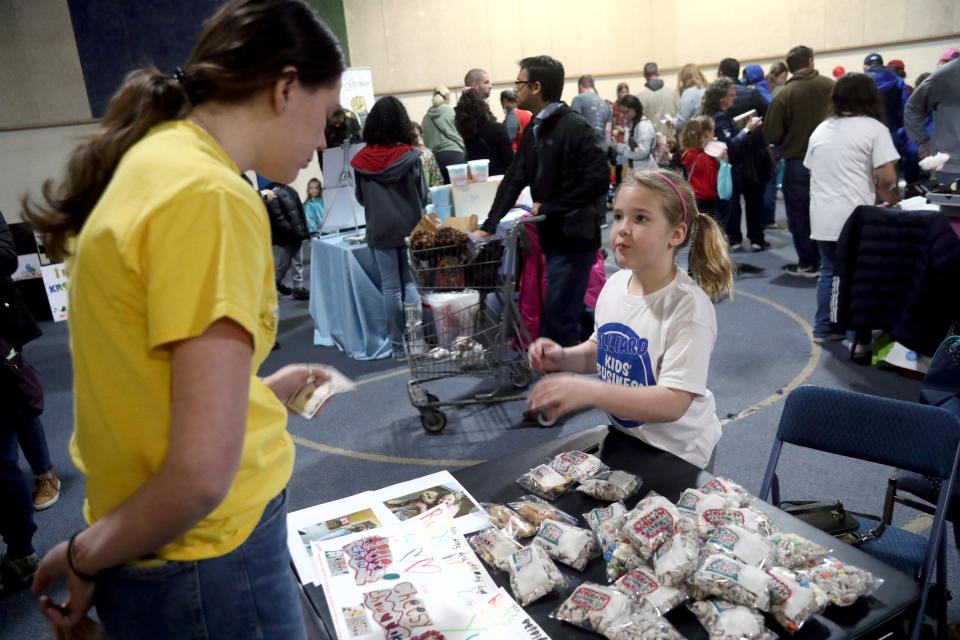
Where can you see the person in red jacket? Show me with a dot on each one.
(702, 167)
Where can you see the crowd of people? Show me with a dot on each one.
(173, 295)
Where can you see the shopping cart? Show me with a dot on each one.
(471, 326)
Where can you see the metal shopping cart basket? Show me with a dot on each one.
(471, 325)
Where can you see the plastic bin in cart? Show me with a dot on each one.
(471, 324)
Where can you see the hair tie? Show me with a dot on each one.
(676, 190)
(178, 75)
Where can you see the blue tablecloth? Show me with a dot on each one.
(345, 299)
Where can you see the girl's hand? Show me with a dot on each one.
(754, 123)
(545, 355)
(54, 566)
(562, 393)
(725, 157)
(288, 380)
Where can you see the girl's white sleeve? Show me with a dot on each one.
(646, 137)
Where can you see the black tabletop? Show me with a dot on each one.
(494, 481)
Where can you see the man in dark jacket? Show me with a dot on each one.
(892, 88)
(567, 172)
(288, 230)
(795, 112)
(747, 97)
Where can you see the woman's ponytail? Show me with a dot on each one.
(710, 262)
(146, 98)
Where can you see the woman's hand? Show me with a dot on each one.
(287, 381)
(545, 355)
(560, 394)
(754, 123)
(53, 567)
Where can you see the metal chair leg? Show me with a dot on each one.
(942, 589)
(888, 500)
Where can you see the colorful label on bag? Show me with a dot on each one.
(590, 599)
(725, 568)
(639, 582)
(780, 591)
(655, 523)
(688, 501)
(522, 558)
(725, 538)
(551, 533)
(723, 517)
(714, 486)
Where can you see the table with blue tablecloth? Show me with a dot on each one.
(345, 299)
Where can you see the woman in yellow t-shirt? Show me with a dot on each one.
(173, 310)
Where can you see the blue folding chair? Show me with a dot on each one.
(894, 433)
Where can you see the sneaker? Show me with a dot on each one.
(832, 337)
(800, 271)
(46, 491)
(859, 350)
(776, 226)
(17, 573)
(283, 289)
(759, 246)
(301, 294)
(736, 247)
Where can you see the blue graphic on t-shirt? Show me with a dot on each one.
(623, 358)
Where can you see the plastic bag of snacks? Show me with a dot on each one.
(641, 585)
(494, 547)
(746, 546)
(545, 482)
(536, 510)
(594, 607)
(611, 485)
(731, 489)
(793, 551)
(566, 543)
(728, 579)
(577, 465)
(748, 519)
(651, 523)
(532, 574)
(728, 621)
(613, 515)
(509, 521)
(621, 556)
(843, 583)
(794, 600)
(676, 559)
(642, 625)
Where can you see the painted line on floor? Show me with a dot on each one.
(773, 398)
(377, 457)
(800, 378)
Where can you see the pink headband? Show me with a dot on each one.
(676, 190)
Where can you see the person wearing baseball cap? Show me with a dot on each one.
(892, 88)
(899, 69)
(948, 54)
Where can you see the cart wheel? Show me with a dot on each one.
(544, 421)
(520, 377)
(432, 420)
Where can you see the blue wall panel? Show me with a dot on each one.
(115, 37)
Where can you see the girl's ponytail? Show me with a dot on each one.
(146, 98)
(710, 262)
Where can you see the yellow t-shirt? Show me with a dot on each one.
(177, 241)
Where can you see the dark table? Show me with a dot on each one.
(493, 481)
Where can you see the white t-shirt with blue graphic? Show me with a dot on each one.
(664, 338)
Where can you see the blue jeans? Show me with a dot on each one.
(568, 275)
(16, 504)
(248, 593)
(398, 288)
(796, 198)
(33, 443)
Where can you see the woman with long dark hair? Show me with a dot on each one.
(640, 135)
(852, 162)
(392, 188)
(484, 137)
(173, 309)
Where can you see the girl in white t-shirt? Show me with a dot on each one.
(655, 325)
(852, 160)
